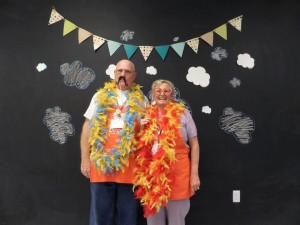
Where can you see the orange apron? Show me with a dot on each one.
(181, 188)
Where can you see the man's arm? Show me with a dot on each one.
(85, 149)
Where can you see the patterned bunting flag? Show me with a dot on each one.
(68, 27)
(178, 48)
(130, 50)
(237, 22)
(222, 31)
(83, 35)
(97, 41)
(208, 38)
(112, 46)
(55, 17)
(193, 43)
(146, 51)
(162, 50)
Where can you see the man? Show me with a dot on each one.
(108, 147)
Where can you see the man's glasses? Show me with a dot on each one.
(126, 72)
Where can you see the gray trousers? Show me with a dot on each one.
(174, 213)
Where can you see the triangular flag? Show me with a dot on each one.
(98, 41)
(55, 17)
(68, 27)
(146, 50)
(162, 50)
(83, 35)
(112, 46)
(208, 38)
(193, 43)
(222, 31)
(130, 50)
(178, 47)
(236, 23)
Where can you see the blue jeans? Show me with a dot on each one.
(111, 200)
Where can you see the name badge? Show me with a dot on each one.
(116, 123)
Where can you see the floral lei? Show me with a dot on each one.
(113, 160)
(152, 173)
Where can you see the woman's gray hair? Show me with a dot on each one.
(159, 82)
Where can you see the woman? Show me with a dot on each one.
(165, 176)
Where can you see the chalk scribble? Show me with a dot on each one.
(235, 82)
(219, 54)
(236, 123)
(58, 123)
(75, 75)
(127, 35)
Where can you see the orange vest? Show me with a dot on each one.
(125, 176)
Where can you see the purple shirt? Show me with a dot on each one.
(188, 128)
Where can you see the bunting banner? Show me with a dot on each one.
(146, 50)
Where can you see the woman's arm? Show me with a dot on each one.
(195, 155)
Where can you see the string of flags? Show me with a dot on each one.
(145, 50)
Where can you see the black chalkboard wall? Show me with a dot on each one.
(40, 180)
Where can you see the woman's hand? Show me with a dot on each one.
(195, 182)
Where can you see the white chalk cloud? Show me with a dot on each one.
(151, 70)
(198, 76)
(206, 109)
(110, 71)
(41, 67)
(245, 61)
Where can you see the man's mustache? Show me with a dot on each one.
(120, 78)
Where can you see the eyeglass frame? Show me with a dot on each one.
(126, 72)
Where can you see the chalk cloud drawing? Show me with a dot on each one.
(75, 75)
(245, 61)
(151, 70)
(176, 39)
(235, 82)
(58, 123)
(127, 35)
(41, 67)
(198, 76)
(238, 124)
(206, 109)
(219, 54)
(110, 71)
(176, 96)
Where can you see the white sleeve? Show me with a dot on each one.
(91, 109)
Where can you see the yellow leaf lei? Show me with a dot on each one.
(113, 160)
(153, 172)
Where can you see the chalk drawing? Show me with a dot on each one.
(75, 75)
(58, 123)
(235, 82)
(238, 124)
(127, 35)
(219, 54)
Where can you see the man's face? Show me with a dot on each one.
(124, 75)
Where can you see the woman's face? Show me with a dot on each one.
(162, 95)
